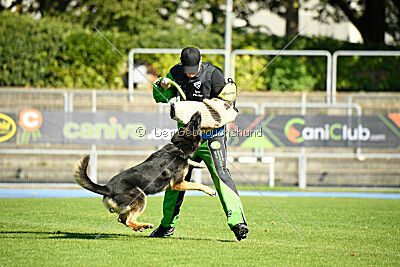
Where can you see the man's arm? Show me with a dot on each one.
(217, 83)
(163, 95)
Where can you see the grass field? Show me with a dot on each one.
(337, 232)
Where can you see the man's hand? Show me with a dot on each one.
(173, 100)
(165, 83)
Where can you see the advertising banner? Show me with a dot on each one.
(100, 128)
(270, 131)
(248, 130)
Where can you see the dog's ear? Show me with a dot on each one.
(178, 134)
(174, 137)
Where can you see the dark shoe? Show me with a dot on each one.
(162, 231)
(240, 231)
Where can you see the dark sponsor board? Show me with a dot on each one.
(317, 131)
(267, 130)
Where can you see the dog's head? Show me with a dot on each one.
(188, 137)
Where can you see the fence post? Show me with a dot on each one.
(93, 164)
(228, 38)
(271, 165)
(302, 157)
(302, 169)
(66, 99)
(197, 175)
(94, 101)
(70, 101)
(93, 153)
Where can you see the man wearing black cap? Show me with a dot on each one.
(200, 80)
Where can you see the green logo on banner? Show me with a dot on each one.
(257, 141)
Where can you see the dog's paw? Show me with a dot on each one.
(136, 229)
(141, 227)
(149, 226)
(211, 192)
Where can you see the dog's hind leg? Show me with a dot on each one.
(182, 186)
(136, 208)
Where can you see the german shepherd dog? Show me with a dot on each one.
(126, 192)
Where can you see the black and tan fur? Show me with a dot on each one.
(126, 192)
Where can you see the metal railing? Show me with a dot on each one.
(346, 53)
(301, 156)
(350, 99)
(331, 63)
(42, 92)
(234, 53)
(134, 51)
(271, 158)
(324, 53)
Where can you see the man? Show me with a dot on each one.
(200, 80)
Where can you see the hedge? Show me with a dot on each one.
(52, 53)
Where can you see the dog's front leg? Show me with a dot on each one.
(182, 186)
(132, 223)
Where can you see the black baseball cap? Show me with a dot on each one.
(190, 58)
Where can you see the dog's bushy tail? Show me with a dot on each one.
(81, 177)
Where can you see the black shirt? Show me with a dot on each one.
(207, 83)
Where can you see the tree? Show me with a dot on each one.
(43, 7)
(292, 17)
(134, 15)
(289, 10)
(372, 18)
(197, 11)
(131, 16)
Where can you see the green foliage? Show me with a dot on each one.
(283, 74)
(52, 53)
(373, 19)
(290, 73)
(47, 53)
(131, 16)
(178, 38)
(368, 73)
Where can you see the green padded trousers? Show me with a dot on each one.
(213, 152)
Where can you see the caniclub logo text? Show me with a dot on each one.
(335, 132)
(30, 121)
(7, 127)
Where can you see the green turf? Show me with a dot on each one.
(337, 232)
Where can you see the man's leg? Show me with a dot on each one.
(172, 204)
(171, 207)
(215, 159)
